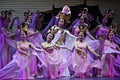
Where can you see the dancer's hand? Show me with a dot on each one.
(69, 49)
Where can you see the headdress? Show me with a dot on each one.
(85, 10)
(83, 27)
(28, 14)
(66, 13)
(66, 10)
(23, 28)
(6, 14)
(53, 29)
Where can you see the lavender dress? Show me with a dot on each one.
(54, 60)
(36, 39)
(110, 64)
(6, 52)
(82, 63)
(65, 38)
(16, 65)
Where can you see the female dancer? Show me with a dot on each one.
(80, 22)
(7, 36)
(54, 59)
(6, 53)
(109, 62)
(35, 38)
(65, 38)
(81, 59)
(101, 34)
(110, 15)
(21, 60)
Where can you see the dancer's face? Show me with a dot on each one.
(61, 22)
(111, 36)
(81, 36)
(50, 37)
(81, 20)
(23, 35)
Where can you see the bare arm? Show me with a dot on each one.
(33, 34)
(37, 49)
(63, 47)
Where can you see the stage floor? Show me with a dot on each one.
(73, 78)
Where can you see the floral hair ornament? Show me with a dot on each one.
(66, 12)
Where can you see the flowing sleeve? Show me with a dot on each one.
(94, 44)
(56, 38)
(73, 24)
(33, 24)
(51, 23)
(69, 40)
(11, 42)
(108, 49)
(39, 55)
(18, 22)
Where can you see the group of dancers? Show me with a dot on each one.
(74, 52)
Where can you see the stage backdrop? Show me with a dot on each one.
(18, 7)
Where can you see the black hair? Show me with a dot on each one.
(2, 12)
(109, 33)
(23, 24)
(65, 23)
(25, 32)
